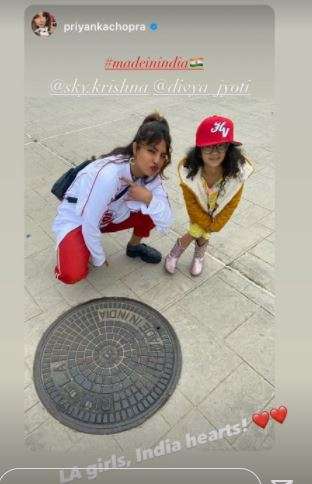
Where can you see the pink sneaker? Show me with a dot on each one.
(172, 258)
(198, 259)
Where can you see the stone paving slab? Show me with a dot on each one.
(51, 436)
(269, 221)
(235, 240)
(192, 426)
(254, 192)
(257, 331)
(224, 319)
(248, 214)
(265, 251)
(27, 375)
(206, 360)
(33, 419)
(147, 435)
(31, 309)
(255, 293)
(219, 306)
(59, 116)
(98, 445)
(244, 391)
(176, 408)
(256, 270)
(34, 329)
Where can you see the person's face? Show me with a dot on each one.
(214, 155)
(150, 158)
(40, 20)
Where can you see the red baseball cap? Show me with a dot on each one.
(215, 130)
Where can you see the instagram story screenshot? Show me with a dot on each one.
(150, 322)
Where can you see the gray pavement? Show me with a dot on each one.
(224, 319)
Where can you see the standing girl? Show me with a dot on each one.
(118, 191)
(212, 177)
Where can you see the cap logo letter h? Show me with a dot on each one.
(221, 128)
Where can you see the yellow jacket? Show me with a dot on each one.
(195, 198)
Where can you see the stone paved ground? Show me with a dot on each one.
(224, 319)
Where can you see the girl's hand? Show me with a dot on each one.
(138, 193)
(93, 267)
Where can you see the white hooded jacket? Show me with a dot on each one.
(96, 187)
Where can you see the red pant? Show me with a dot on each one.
(73, 254)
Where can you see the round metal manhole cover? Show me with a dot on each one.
(107, 365)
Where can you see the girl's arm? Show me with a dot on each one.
(223, 217)
(204, 220)
(196, 213)
(159, 208)
(101, 193)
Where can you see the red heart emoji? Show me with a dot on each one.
(261, 419)
(279, 414)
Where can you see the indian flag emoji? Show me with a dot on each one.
(196, 62)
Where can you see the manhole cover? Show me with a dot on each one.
(107, 365)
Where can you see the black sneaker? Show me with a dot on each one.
(145, 252)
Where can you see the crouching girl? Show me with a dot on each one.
(118, 191)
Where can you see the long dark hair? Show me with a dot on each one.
(154, 129)
(47, 16)
(233, 160)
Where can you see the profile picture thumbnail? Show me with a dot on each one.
(43, 24)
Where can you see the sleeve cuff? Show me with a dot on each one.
(98, 261)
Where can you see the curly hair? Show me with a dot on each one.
(233, 160)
